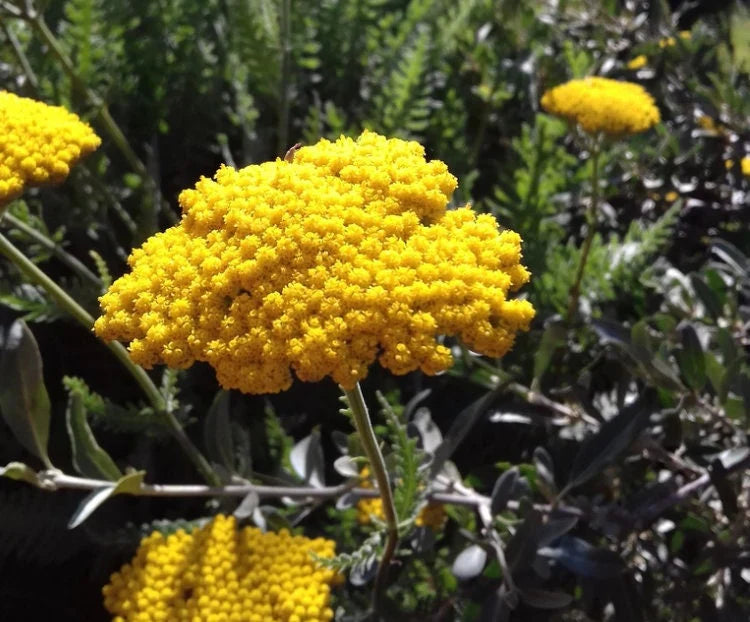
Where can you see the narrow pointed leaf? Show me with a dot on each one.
(612, 438)
(89, 459)
(555, 527)
(217, 432)
(520, 550)
(503, 490)
(346, 466)
(552, 338)
(691, 359)
(545, 599)
(248, 505)
(708, 296)
(21, 472)
(128, 484)
(89, 504)
(545, 472)
(307, 459)
(585, 560)
(24, 403)
(462, 424)
(426, 429)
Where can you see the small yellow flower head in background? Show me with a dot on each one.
(38, 144)
(685, 35)
(671, 196)
(706, 122)
(220, 573)
(603, 105)
(322, 264)
(667, 42)
(745, 166)
(431, 515)
(636, 63)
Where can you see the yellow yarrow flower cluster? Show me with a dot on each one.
(638, 62)
(431, 515)
(38, 144)
(322, 265)
(220, 574)
(603, 105)
(668, 42)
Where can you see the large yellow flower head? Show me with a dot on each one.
(603, 105)
(218, 573)
(322, 265)
(38, 144)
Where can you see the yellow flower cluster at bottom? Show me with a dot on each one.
(431, 515)
(221, 574)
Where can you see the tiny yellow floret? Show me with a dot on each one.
(321, 265)
(218, 572)
(639, 61)
(38, 144)
(745, 166)
(603, 105)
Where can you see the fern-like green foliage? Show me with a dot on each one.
(83, 17)
(402, 106)
(526, 199)
(614, 266)
(102, 269)
(409, 482)
(255, 41)
(278, 443)
(364, 556)
(107, 415)
(30, 301)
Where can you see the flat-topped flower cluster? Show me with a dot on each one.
(219, 573)
(320, 265)
(38, 144)
(597, 104)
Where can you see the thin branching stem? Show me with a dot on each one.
(285, 39)
(371, 448)
(454, 493)
(21, 56)
(58, 251)
(591, 213)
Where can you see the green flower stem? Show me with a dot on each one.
(377, 463)
(575, 290)
(36, 20)
(58, 251)
(285, 39)
(21, 57)
(65, 302)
